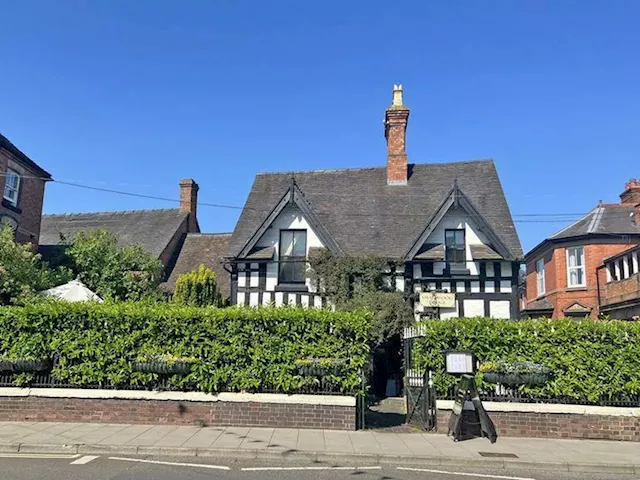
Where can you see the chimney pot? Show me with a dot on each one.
(395, 122)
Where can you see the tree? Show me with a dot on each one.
(197, 288)
(354, 283)
(22, 272)
(112, 271)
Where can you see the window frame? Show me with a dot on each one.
(581, 267)
(284, 259)
(16, 189)
(540, 277)
(456, 248)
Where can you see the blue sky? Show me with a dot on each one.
(137, 95)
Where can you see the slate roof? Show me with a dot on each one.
(364, 215)
(153, 229)
(542, 304)
(206, 249)
(605, 219)
(484, 252)
(7, 145)
(431, 251)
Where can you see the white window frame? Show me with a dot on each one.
(16, 190)
(540, 277)
(581, 267)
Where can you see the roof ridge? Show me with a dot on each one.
(111, 212)
(351, 169)
(201, 234)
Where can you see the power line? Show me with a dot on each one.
(529, 217)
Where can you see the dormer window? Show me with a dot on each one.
(455, 246)
(293, 256)
(12, 187)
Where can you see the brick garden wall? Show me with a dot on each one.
(43, 409)
(553, 425)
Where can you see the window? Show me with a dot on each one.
(632, 264)
(455, 247)
(5, 220)
(12, 187)
(540, 276)
(575, 267)
(293, 256)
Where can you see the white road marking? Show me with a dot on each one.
(463, 474)
(177, 464)
(38, 455)
(275, 469)
(84, 460)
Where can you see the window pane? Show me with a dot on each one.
(459, 234)
(300, 244)
(286, 239)
(449, 237)
(293, 270)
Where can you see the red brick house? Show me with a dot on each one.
(23, 183)
(566, 274)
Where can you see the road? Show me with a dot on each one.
(104, 467)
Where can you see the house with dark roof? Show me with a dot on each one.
(447, 224)
(206, 249)
(23, 182)
(161, 232)
(585, 268)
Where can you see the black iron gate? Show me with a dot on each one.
(418, 385)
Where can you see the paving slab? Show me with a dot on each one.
(390, 443)
(232, 437)
(257, 438)
(151, 436)
(365, 442)
(100, 434)
(204, 438)
(337, 441)
(124, 436)
(285, 439)
(311, 441)
(178, 437)
(417, 444)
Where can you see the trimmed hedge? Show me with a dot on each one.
(233, 349)
(589, 359)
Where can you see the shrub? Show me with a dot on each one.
(587, 358)
(22, 272)
(234, 349)
(198, 288)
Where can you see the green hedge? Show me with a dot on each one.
(235, 349)
(588, 358)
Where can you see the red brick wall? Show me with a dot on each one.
(29, 201)
(554, 425)
(556, 276)
(622, 290)
(41, 409)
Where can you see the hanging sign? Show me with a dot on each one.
(438, 299)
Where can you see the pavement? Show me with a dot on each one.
(372, 448)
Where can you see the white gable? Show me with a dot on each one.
(289, 218)
(458, 218)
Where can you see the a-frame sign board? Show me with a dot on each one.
(468, 390)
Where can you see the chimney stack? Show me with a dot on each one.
(189, 201)
(631, 197)
(395, 129)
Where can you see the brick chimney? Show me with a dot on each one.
(189, 201)
(395, 129)
(631, 197)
